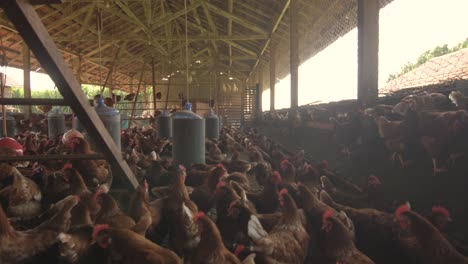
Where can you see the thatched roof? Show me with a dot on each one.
(224, 35)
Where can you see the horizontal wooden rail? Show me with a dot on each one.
(31, 101)
(53, 157)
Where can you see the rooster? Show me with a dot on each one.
(127, 247)
(34, 241)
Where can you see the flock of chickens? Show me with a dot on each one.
(252, 202)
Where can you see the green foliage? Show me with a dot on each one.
(426, 56)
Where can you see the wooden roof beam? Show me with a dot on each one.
(230, 9)
(86, 22)
(202, 30)
(240, 47)
(30, 26)
(235, 18)
(275, 27)
(170, 38)
(138, 22)
(167, 27)
(168, 18)
(212, 25)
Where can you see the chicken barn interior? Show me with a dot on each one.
(174, 159)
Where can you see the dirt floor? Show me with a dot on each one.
(415, 183)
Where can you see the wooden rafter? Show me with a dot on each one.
(275, 27)
(235, 18)
(86, 22)
(29, 25)
(230, 9)
(211, 23)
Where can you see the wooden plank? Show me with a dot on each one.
(30, 26)
(95, 156)
(294, 52)
(31, 101)
(46, 2)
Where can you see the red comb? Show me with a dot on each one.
(284, 162)
(239, 249)
(323, 164)
(220, 184)
(198, 215)
(97, 193)
(67, 166)
(374, 179)
(283, 191)
(220, 165)
(327, 214)
(98, 228)
(232, 204)
(441, 210)
(276, 175)
(77, 198)
(402, 209)
(182, 167)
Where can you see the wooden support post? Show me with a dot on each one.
(111, 84)
(294, 52)
(80, 70)
(27, 79)
(136, 95)
(153, 80)
(131, 83)
(272, 76)
(260, 90)
(22, 14)
(368, 51)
